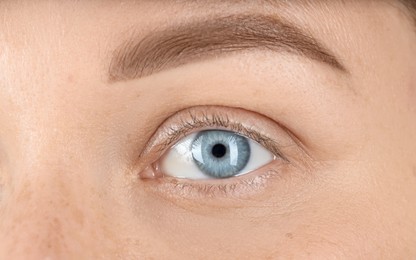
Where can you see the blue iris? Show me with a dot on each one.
(220, 154)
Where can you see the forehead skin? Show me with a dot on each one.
(69, 138)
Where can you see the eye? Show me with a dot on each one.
(214, 154)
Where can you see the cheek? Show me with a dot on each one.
(49, 214)
(337, 217)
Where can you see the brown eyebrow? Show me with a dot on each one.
(201, 40)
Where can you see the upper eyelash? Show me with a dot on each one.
(193, 122)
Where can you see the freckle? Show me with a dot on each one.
(25, 193)
(78, 217)
(289, 235)
(71, 79)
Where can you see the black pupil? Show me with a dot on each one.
(219, 150)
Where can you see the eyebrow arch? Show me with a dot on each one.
(196, 41)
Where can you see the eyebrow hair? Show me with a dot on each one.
(411, 5)
(196, 41)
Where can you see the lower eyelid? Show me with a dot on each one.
(216, 192)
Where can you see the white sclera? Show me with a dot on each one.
(179, 163)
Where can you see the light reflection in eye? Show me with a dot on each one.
(214, 154)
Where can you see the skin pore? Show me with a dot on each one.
(94, 93)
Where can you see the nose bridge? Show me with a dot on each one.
(39, 212)
(47, 188)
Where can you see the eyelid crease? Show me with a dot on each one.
(185, 127)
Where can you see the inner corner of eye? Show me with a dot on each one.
(214, 154)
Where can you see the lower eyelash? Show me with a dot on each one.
(237, 188)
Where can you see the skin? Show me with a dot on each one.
(70, 140)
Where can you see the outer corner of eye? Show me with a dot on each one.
(214, 154)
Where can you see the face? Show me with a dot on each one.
(207, 129)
